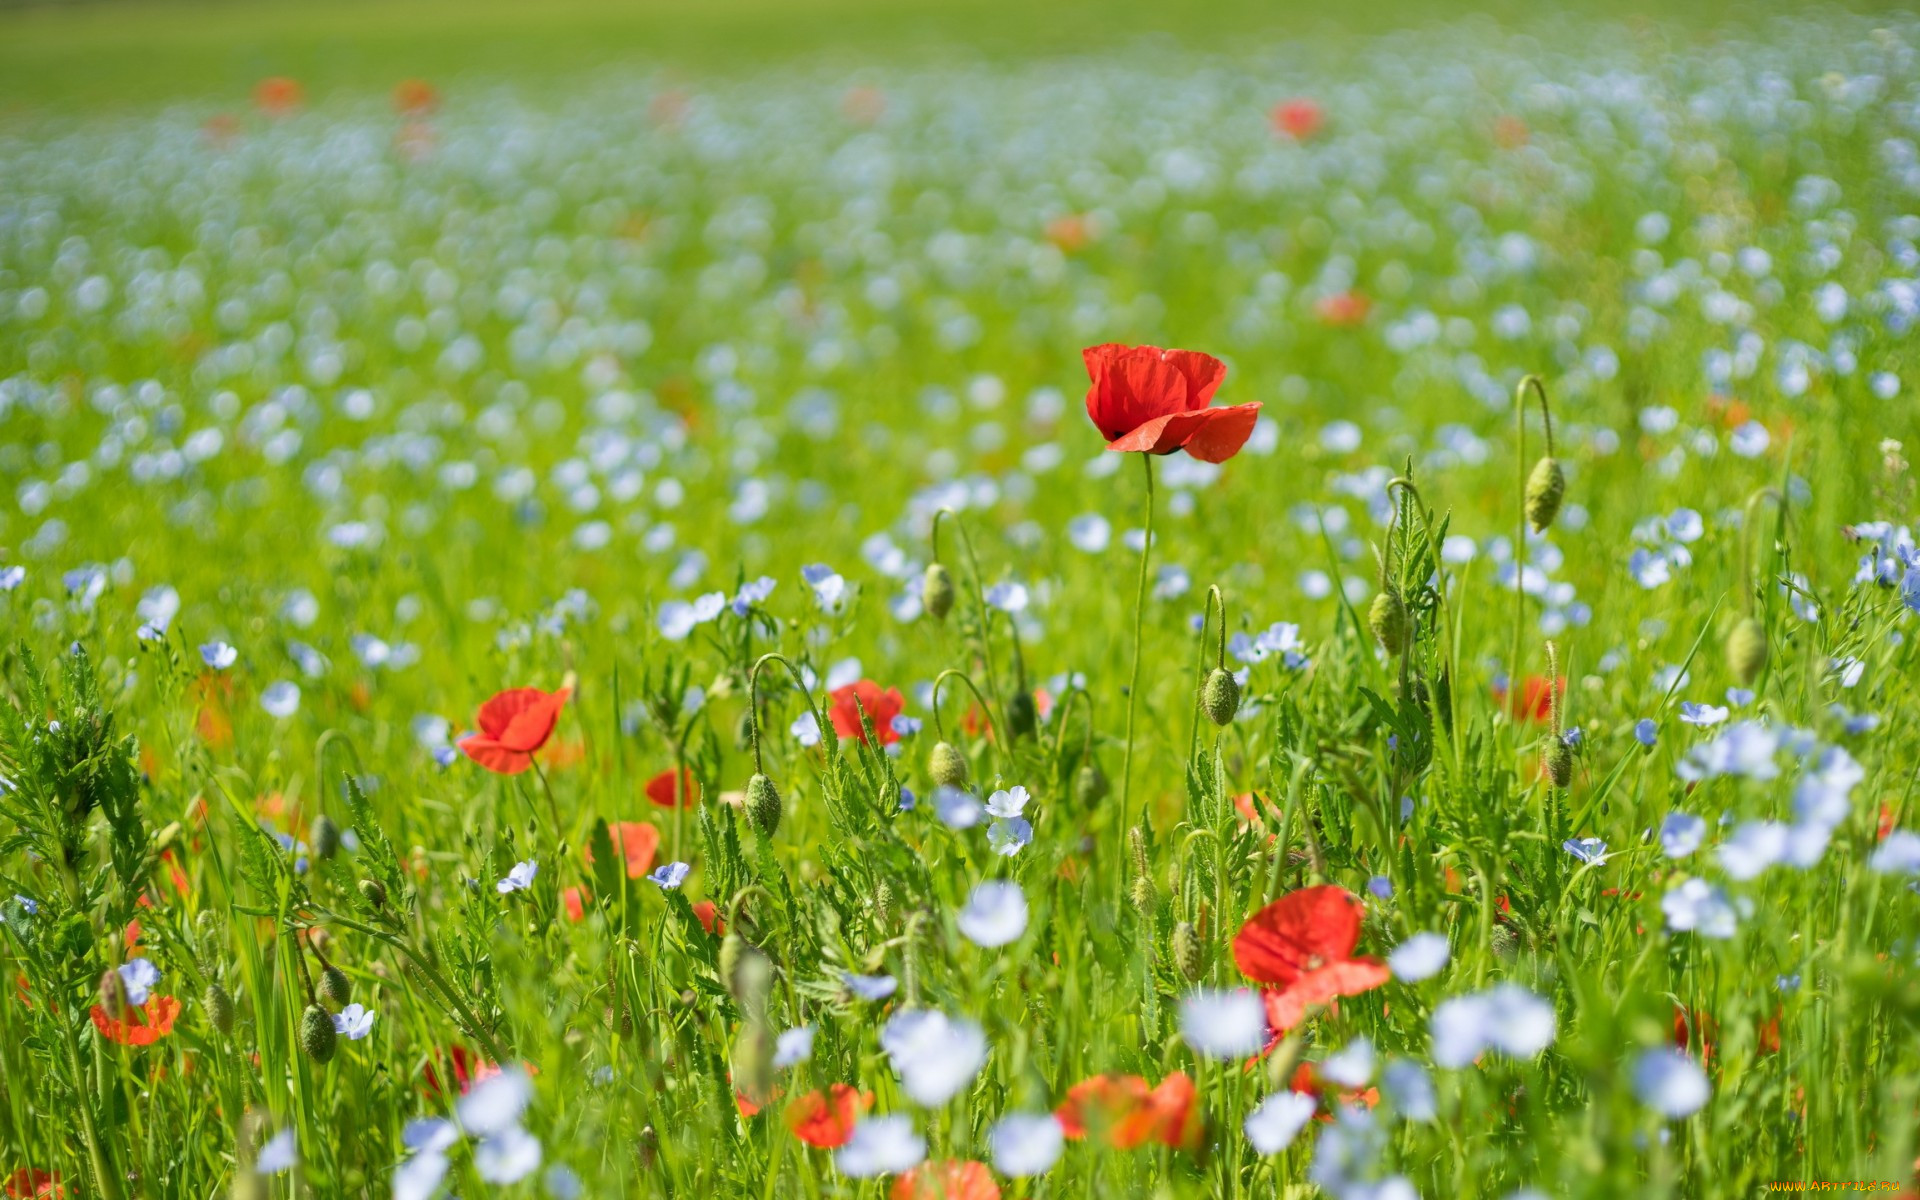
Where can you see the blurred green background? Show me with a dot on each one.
(120, 53)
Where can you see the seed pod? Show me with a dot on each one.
(753, 1061)
(219, 1008)
(1142, 895)
(1221, 696)
(113, 994)
(1188, 953)
(1090, 786)
(1546, 487)
(317, 1036)
(733, 948)
(1504, 940)
(763, 805)
(936, 591)
(324, 838)
(1560, 762)
(1388, 619)
(1022, 716)
(335, 988)
(373, 892)
(883, 905)
(948, 765)
(1747, 650)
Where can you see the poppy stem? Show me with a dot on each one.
(753, 700)
(1747, 588)
(553, 806)
(986, 710)
(1199, 691)
(1139, 616)
(1520, 519)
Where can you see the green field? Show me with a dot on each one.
(1297, 767)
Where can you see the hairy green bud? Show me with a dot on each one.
(1022, 716)
(1189, 954)
(317, 1036)
(1388, 620)
(936, 591)
(1546, 487)
(1221, 696)
(1747, 650)
(373, 892)
(1560, 762)
(219, 1008)
(324, 838)
(1090, 786)
(763, 805)
(948, 765)
(335, 988)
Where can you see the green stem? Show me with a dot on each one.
(104, 1178)
(1139, 616)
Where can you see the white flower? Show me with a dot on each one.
(1026, 1144)
(806, 729)
(1670, 1083)
(495, 1103)
(508, 1156)
(1008, 597)
(934, 1054)
(1273, 1125)
(519, 879)
(1898, 855)
(1352, 1066)
(1696, 905)
(1009, 837)
(996, 913)
(281, 699)
(218, 655)
(355, 1021)
(880, 1146)
(956, 809)
(1008, 803)
(1224, 1023)
(1419, 957)
(794, 1047)
(1754, 846)
(277, 1154)
(1505, 1017)
(420, 1176)
(1410, 1090)
(1681, 834)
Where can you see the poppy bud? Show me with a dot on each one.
(317, 1036)
(883, 904)
(948, 765)
(1142, 895)
(1747, 650)
(1188, 954)
(1022, 716)
(1221, 696)
(208, 928)
(219, 1008)
(373, 892)
(751, 979)
(335, 988)
(1504, 940)
(1388, 619)
(646, 1148)
(324, 838)
(936, 591)
(753, 1061)
(113, 994)
(1090, 786)
(1545, 489)
(763, 805)
(1560, 762)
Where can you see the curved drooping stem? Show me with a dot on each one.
(1520, 517)
(939, 727)
(1214, 598)
(1060, 714)
(979, 593)
(753, 701)
(1139, 616)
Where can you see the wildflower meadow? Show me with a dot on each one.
(1324, 616)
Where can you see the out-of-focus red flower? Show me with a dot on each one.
(1302, 946)
(745, 1106)
(1298, 119)
(277, 95)
(661, 789)
(468, 1069)
(1156, 401)
(635, 841)
(1069, 233)
(513, 725)
(710, 918)
(1510, 132)
(864, 105)
(415, 97)
(221, 128)
(1343, 309)
(575, 900)
(1308, 1081)
(1689, 1024)
(1126, 1113)
(1535, 702)
(669, 108)
(824, 1119)
(141, 1026)
(31, 1182)
(949, 1180)
(881, 708)
(1887, 822)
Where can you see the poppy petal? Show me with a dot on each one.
(1223, 432)
(495, 757)
(1203, 373)
(1301, 931)
(498, 713)
(531, 726)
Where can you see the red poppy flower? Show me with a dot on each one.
(415, 96)
(513, 725)
(881, 708)
(1687, 1025)
(635, 841)
(1342, 308)
(28, 1182)
(1535, 702)
(825, 1119)
(1302, 944)
(661, 791)
(141, 1026)
(1298, 119)
(1127, 1113)
(278, 95)
(949, 1180)
(1308, 1081)
(1147, 399)
(710, 918)
(576, 899)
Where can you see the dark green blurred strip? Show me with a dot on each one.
(120, 53)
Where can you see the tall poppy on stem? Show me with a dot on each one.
(949, 1180)
(513, 725)
(1301, 946)
(1155, 401)
(880, 707)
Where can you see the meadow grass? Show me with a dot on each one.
(404, 491)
